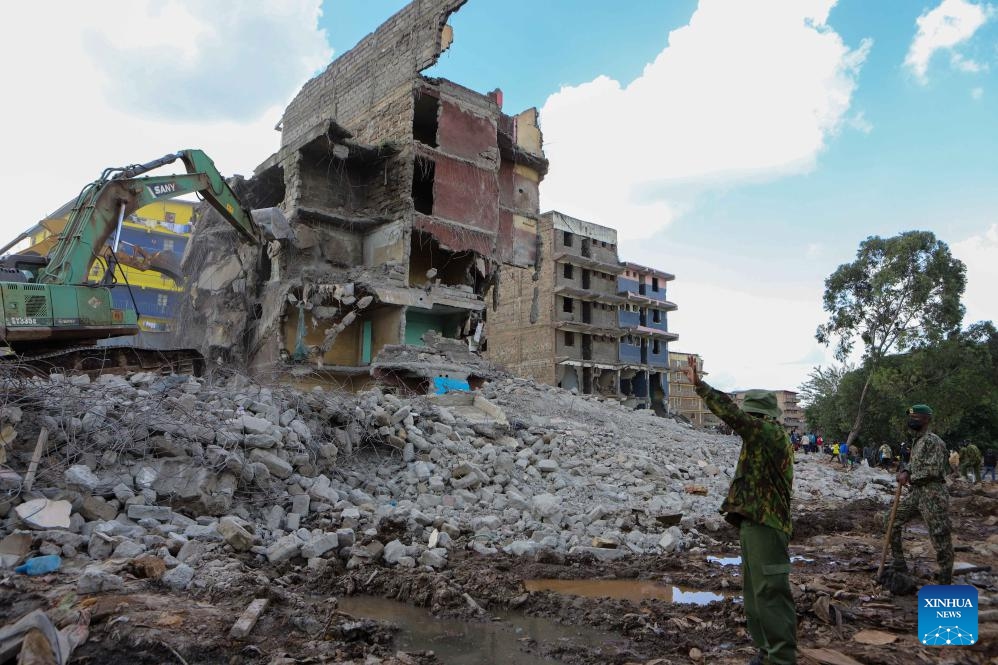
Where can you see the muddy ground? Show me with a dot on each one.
(836, 598)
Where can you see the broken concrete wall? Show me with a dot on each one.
(368, 89)
(402, 192)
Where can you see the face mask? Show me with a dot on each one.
(914, 423)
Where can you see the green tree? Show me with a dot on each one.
(900, 293)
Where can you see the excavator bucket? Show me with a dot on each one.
(166, 263)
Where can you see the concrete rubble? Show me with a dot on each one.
(191, 470)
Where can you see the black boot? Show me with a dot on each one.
(759, 658)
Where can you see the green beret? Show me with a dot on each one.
(923, 409)
(761, 402)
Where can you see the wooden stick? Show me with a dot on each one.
(890, 525)
(29, 478)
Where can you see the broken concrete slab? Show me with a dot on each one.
(45, 513)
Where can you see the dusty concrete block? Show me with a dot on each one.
(127, 549)
(394, 551)
(139, 512)
(81, 477)
(277, 466)
(179, 578)
(97, 580)
(284, 548)
(319, 545)
(244, 624)
(235, 534)
(96, 508)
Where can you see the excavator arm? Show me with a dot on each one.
(102, 206)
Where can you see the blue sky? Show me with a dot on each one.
(750, 253)
(747, 147)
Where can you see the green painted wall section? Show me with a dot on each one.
(417, 322)
(365, 351)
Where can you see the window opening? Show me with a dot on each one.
(425, 120)
(423, 171)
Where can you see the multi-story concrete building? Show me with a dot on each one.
(582, 319)
(683, 399)
(561, 327)
(163, 226)
(405, 195)
(644, 343)
(791, 415)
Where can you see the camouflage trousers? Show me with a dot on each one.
(966, 468)
(931, 501)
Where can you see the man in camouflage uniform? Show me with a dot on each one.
(928, 496)
(758, 503)
(970, 461)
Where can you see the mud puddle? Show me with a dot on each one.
(632, 590)
(514, 639)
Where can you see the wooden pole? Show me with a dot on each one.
(29, 478)
(890, 525)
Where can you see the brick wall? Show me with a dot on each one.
(368, 89)
(521, 347)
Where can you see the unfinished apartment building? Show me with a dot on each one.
(578, 320)
(558, 322)
(683, 398)
(644, 343)
(404, 195)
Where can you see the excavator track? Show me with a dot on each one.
(97, 360)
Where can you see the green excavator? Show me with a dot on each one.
(54, 313)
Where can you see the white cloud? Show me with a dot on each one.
(980, 253)
(967, 65)
(859, 122)
(950, 24)
(753, 326)
(976, 93)
(71, 110)
(745, 91)
(234, 60)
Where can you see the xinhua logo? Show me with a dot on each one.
(947, 615)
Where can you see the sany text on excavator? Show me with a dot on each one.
(53, 314)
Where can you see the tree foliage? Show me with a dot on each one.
(900, 293)
(957, 376)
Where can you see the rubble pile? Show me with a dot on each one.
(188, 470)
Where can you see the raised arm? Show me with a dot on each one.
(719, 403)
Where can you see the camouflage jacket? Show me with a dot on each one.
(929, 459)
(970, 455)
(764, 477)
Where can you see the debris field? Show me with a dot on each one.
(216, 519)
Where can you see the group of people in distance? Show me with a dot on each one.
(967, 460)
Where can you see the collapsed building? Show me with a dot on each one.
(404, 195)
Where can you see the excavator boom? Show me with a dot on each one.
(50, 304)
(103, 205)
